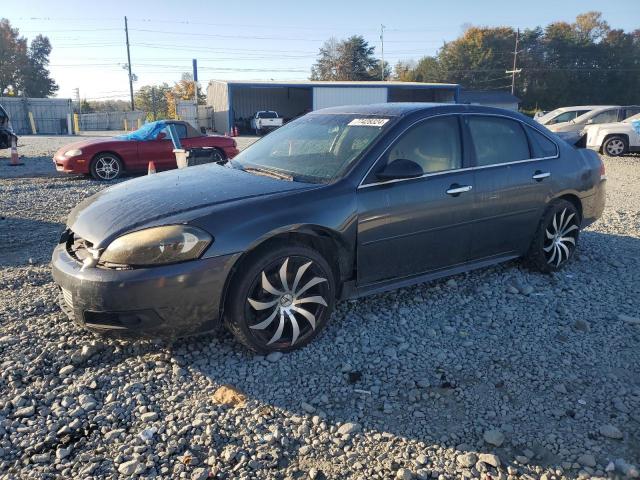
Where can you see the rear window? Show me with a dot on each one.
(267, 115)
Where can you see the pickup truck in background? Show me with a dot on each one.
(265, 121)
(6, 132)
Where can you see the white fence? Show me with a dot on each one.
(38, 115)
(111, 120)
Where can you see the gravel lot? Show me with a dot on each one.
(500, 373)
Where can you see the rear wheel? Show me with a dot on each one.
(556, 238)
(614, 146)
(281, 300)
(106, 167)
(218, 157)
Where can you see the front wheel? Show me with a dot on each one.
(281, 299)
(614, 146)
(106, 167)
(556, 238)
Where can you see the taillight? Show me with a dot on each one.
(602, 170)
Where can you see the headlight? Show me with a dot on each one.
(157, 246)
(73, 153)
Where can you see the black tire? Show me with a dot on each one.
(615, 146)
(556, 237)
(265, 329)
(218, 156)
(106, 167)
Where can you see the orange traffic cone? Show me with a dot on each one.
(152, 168)
(226, 134)
(235, 131)
(15, 159)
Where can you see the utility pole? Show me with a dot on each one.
(382, 50)
(126, 32)
(514, 70)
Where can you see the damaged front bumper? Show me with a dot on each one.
(167, 301)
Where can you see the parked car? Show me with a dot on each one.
(614, 139)
(566, 114)
(340, 203)
(107, 159)
(7, 134)
(595, 117)
(265, 121)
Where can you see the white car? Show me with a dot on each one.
(614, 139)
(565, 114)
(595, 117)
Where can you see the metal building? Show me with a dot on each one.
(38, 115)
(233, 103)
(490, 98)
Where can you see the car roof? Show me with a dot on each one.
(399, 109)
(583, 107)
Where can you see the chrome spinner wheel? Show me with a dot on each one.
(286, 301)
(561, 236)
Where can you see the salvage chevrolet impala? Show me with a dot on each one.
(337, 204)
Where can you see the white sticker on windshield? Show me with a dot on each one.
(368, 122)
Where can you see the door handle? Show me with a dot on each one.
(456, 189)
(539, 176)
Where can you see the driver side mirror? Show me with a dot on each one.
(161, 136)
(401, 168)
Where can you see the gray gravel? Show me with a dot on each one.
(501, 371)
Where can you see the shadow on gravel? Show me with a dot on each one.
(443, 363)
(25, 241)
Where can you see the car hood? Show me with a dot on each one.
(151, 200)
(87, 143)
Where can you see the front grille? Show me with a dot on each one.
(78, 247)
(67, 297)
(65, 300)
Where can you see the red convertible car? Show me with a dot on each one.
(107, 159)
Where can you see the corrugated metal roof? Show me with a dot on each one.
(310, 83)
(495, 96)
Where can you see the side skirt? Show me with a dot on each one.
(350, 290)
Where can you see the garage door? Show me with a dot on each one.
(324, 97)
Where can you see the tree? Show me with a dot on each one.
(23, 68)
(584, 62)
(350, 59)
(153, 100)
(183, 90)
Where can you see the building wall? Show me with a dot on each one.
(289, 102)
(49, 114)
(324, 97)
(218, 100)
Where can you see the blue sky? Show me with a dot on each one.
(258, 39)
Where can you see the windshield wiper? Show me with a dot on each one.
(268, 173)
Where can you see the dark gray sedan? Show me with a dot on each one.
(337, 204)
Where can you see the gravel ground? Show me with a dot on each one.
(500, 373)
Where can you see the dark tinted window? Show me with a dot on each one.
(541, 145)
(630, 112)
(181, 130)
(433, 144)
(267, 115)
(497, 140)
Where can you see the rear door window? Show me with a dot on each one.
(497, 140)
(607, 116)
